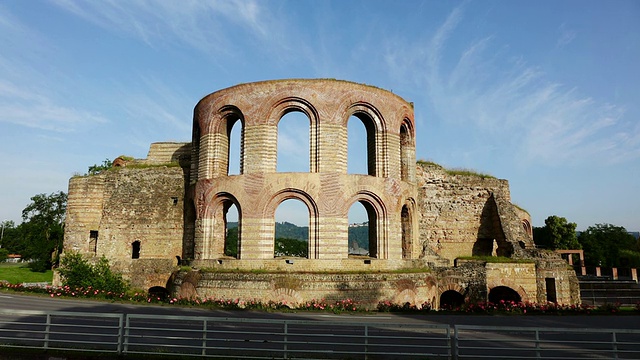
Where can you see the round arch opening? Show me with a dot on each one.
(451, 299)
(504, 293)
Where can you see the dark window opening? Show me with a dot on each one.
(551, 289)
(175, 200)
(93, 241)
(135, 250)
(407, 233)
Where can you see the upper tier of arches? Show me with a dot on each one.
(326, 105)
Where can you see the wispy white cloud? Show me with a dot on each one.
(31, 108)
(566, 36)
(204, 25)
(509, 101)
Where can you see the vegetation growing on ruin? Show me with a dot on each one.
(496, 259)
(456, 171)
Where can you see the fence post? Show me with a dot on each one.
(537, 344)
(366, 341)
(126, 334)
(285, 355)
(46, 331)
(615, 344)
(455, 342)
(204, 337)
(120, 334)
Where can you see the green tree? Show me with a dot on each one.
(96, 169)
(42, 229)
(291, 247)
(608, 245)
(557, 233)
(3, 254)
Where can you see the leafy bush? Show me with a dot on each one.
(4, 253)
(77, 272)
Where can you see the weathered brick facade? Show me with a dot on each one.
(145, 215)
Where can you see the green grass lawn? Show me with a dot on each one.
(20, 273)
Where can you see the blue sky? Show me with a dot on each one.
(542, 93)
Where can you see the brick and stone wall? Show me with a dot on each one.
(107, 213)
(144, 213)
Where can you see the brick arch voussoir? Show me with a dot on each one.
(291, 193)
(288, 104)
(449, 283)
(372, 199)
(218, 123)
(370, 111)
(216, 200)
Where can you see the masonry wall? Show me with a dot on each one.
(467, 216)
(127, 205)
(327, 190)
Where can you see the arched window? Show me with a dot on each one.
(135, 249)
(232, 234)
(361, 145)
(406, 146)
(235, 134)
(363, 235)
(527, 227)
(293, 142)
(291, 238)
(407, 232)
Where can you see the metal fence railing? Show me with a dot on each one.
(251, 338)
(489, 342)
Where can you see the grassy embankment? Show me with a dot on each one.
(20, 273)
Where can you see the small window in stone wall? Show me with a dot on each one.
(174, 199)
(93, 241)
(135, 250)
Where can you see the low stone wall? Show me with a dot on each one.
(368, 288)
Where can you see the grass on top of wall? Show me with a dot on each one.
(456, 171)
(497, 259)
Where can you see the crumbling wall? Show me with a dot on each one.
(134, 215)
(467, 215)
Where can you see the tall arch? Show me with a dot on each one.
(407, 150)
(291, 104)
(288, 244)
(375, 127)
(377, 217)
(218, 152)
(406, 223)
(215, 227)
(312, 207)
(292, 143)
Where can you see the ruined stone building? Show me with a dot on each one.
(427, 226)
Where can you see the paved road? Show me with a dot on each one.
(26, 302)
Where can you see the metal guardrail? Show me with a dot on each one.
(489, 342)
(123, 334)
(236, 338)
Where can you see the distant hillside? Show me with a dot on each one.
(357, 234)
(284, 230)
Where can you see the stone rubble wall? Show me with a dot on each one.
(460, 215)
